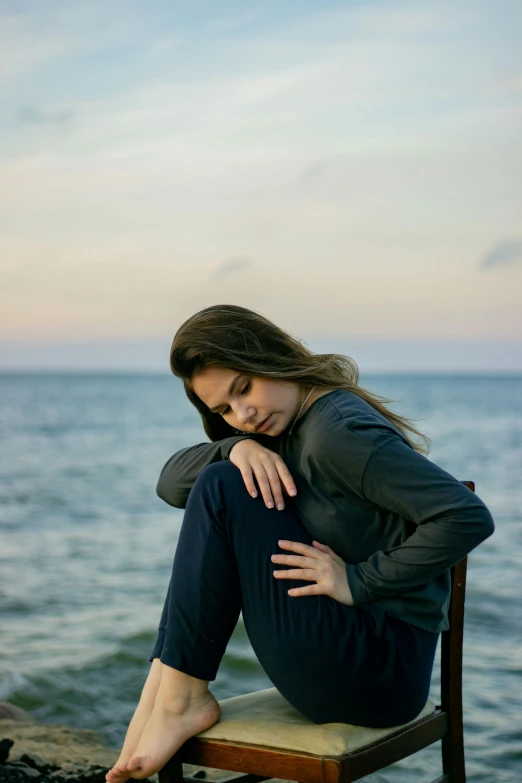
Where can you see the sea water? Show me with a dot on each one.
(87, 546)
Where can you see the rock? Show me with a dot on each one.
(28, 771)
(57, 746)
(37, 762)
(34, 761)
(57, 754)
(13, 774)
(91, 774)
(5, 747)
(10, 712)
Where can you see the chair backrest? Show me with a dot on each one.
(451, 657)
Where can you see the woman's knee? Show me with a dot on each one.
(223, 476)
(222, 483)
(223, 470)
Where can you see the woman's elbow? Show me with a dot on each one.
(488, 523)
(170, 495)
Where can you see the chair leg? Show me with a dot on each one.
(172, 772)
(453, 763)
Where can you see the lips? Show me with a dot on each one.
(262, 425)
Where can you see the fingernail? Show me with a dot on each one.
(254, 493)
(293, 492)
(270, 504)
(280, 506)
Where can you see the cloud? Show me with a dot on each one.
(31, 116)
(250, 155)
(236, 22)
(504, 254)
(230, 267)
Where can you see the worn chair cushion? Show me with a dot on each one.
(266, 718)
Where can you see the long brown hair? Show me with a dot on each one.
(239, 339)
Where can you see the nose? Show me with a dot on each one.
(244, 413)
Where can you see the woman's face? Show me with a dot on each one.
(247, 401)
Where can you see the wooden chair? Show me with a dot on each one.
(261, 735)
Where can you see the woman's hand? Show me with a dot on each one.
(319, 564)
(271, 473)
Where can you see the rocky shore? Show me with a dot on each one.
(36, 753)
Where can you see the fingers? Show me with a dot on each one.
(328, 551)
(311, 569)
(271, 473)
(286, 478)
(274, 487)
(269, 485)
(319, 586)
(320, 567)
(248, 478)
(302, 549)
(308, 590)
(278, 476)
(308, 574)
(295, 560)
(322, 547)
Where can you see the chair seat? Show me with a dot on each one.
(266, 718)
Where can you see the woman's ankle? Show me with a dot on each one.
(180, 685)
(152, 683)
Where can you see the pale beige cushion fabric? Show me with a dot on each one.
(266, 718)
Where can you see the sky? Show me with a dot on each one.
(351, 170)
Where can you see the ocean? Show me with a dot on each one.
(87, 546)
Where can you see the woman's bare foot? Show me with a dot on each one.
(183, 708)
(119, 772)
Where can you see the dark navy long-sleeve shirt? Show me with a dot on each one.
(397, 520)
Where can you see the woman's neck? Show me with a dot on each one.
(317, 392)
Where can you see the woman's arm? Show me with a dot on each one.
(180, 472)
(451, 521)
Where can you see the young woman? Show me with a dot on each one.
(313, 513)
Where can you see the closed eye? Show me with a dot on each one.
(244, 390)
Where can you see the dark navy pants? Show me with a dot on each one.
(330, 661)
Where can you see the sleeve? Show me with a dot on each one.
(180, 472)
(450, 520)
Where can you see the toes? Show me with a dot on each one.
(139, 767)
(117, 775)
(136, 763)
